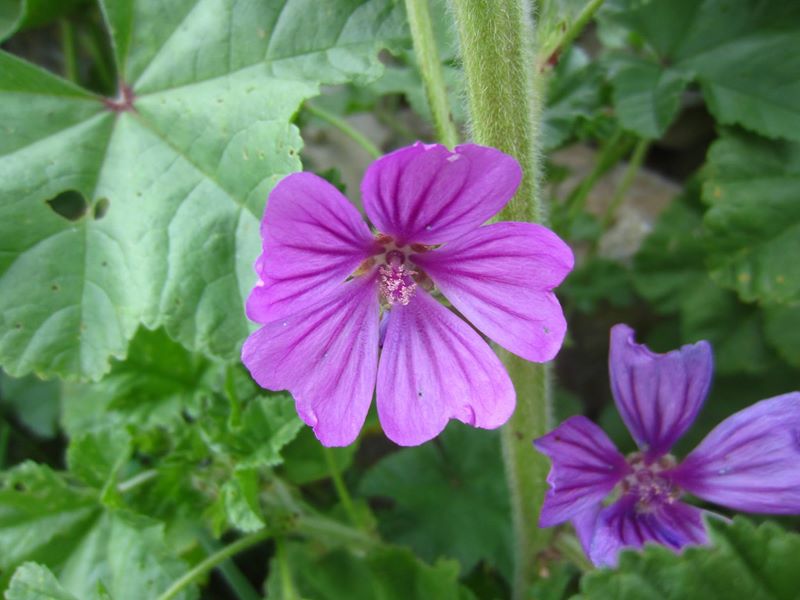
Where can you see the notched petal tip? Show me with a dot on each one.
(428, 194)
(658, 395)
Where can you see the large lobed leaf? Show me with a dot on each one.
(47, 519)
(745, 54)
(155, 196)
(386, 573)
(448, 498)
(752, 187)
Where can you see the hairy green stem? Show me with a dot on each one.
(503, 94)
(496, 39)
(341, 488)
(214, 560)
(344, 127)
(430, 66)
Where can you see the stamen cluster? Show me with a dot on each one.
(647, 483)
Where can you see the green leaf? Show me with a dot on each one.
(18, 14)
(267, 425)
(752, 186)
(127, 555)
(152, 387)
(745, 55)
(304, 459)
(708, 312)
(573, 94)
(385, 574)
(646, 95)
(599, 281)
(669, 264)
(42, 518)
(238, 504)
(97, 457)
(35, 402)
(35, 582)
(745, 561)
(208, 90)
(782, 328)
(449, 497)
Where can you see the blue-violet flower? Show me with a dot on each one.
(749, 462)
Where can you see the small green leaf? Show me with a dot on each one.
(573, 94)
(707, 312)
(669, 265)
(449, 497)
(305, 461)
(42, 518)
(19, 14)
(267, 425)
(782, 328)
(152, 387)
(384, 574)
(745, 55)
(647, 96)
(125, 554)
(751, 187)
(744, 561)
(238, 504)
(35, 402)
(97, 457)
(34, 582)
(599, 281)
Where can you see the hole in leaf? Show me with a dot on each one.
(101, 208)
(70, 204)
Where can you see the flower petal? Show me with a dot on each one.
(657, 395)
(750, 461)
(585, 524)
(435, 367)
(586, 467)
(313, 239)
(326, 356)
(501, 278)
(427, 194)
(621, 526)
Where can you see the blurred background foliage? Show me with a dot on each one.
(139, 141)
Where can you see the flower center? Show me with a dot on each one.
(647, 484)
(396, 280)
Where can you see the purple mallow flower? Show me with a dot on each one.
(749, 462)
(325, 279)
